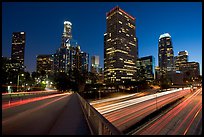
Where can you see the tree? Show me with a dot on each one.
(164, 82)
(43, 74)
(93, 77)
(140, 73)
(80, 78)
(62, 81)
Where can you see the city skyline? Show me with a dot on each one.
(88, 30)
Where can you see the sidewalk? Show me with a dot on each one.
(72, 120)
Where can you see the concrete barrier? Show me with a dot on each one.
(99, 125)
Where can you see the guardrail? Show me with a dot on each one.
(99, 125)
(15, 96)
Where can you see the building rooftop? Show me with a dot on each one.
(164, 35)
(117, 8)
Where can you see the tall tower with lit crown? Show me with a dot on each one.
(67, 33)
(166, 53)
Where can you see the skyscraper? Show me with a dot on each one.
(94, 64)
(69, 56)
(84, 61)
(63, 55)
(18, 47)
(120, 47)
(191, 70)
(45, 63)
(166, 53)
(181, 58)
(67, 33)
(146, 66)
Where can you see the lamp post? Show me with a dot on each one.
(18, 80)
(99, 94)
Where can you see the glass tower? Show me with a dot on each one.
(95, 64)
(166, 53)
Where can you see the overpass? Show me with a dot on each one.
(56, 114)
(68, 114)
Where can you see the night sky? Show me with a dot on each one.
(43, 24)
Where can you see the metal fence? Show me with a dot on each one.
(98, 124)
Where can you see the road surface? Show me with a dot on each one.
(58, 114)
(184, 119)
(125, 114)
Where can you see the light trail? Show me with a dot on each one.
(160, 124)
(111, 99)
(168, 117)
(129, 110)
(29, 92)
(124, 114)
(140, 111)
(25, 113)
(21, 102)
(192, 120)
(120, 105)
(189, 114)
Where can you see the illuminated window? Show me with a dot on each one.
(120, 13)
(108, 39)
(120, 22)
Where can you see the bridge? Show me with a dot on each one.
(63, 114)
(70, 114)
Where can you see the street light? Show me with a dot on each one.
(99, 94)
(18, 80)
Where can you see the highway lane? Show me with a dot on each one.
(122, 104)
(184, 119)
(105, 102)
(35, 117)
(126, 113)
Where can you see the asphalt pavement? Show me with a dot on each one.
(60, 115)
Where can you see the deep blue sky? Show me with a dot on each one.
(43, 24)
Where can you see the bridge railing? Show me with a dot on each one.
(99, 125)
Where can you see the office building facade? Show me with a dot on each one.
(146, 65)
(63, 58)
(120, 47)
(45, 63)
(191, 70)
(181, 58)
(69, 56)
(84, 62)
(166, 54)
(18, 47)
(95, 64)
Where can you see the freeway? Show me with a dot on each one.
(108, 101)
(121, 98)
(183, 119)
(125, 114)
